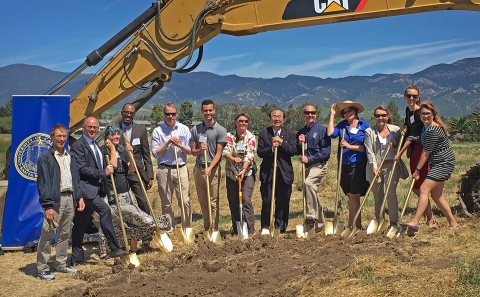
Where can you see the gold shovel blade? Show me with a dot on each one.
(338, 229)
(392, 232)
(188, 236)
(299, 231)
(346, 233)
(328, 228)
(162, 241)
(372, 227)
(382, 226)
(212, 236)
(275, 233)
(133, 258)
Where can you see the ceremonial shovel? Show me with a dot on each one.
(160, 238)
(210, 235)
(272, 231)
(129, 258)
(400, 230)
(241, 226)
(185, 233)
(303, 230)
(335, 227)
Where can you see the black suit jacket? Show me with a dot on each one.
(92, 177)
(285, 151)
(141, 152)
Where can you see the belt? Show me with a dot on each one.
(202, 165)
(171, 166)
(68, 192)
(316, 164)
(388, 161)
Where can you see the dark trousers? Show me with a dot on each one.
(282, 203)
(232, 194)
(136, 188)
(81, 220)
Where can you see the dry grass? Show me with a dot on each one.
(441, 262)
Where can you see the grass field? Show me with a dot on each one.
(441, 262)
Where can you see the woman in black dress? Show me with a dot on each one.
(438, 153)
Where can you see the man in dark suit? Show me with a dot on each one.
(137, 136)
(93, 175)
(284, 140)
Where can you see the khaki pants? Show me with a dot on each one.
(64, 214)
(168, 183)
(214, 182)
(378, 190)
(314, 175)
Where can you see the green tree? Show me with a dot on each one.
(268, 107)
(6, 110)
(185, 115)
(394, 115)
(157, 114)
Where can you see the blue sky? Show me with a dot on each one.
(59, 34)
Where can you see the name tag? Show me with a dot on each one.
(241, 147)
(354, 130)
(412, 119)
(136, 141)
(203, 138)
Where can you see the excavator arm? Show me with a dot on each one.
(169, 32)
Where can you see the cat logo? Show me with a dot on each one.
(297, 9)
(28, 152)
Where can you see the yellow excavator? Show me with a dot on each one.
(171, 31)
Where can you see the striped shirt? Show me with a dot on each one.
(441, 158)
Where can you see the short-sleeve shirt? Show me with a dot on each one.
(214, 133)
(352, 137)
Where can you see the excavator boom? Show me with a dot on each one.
(172, 30)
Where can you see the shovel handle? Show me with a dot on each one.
(119, 209)
(339, 175)
(274, 182)
(207, 182)
(303, 187)
(406, 199)
(179, 179)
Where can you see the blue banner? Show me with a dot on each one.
(32, 120)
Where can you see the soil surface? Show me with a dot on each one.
(259, 266)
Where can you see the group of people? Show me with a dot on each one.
(80, 176)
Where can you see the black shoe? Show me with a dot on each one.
(117, 253)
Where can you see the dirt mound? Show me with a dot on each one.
(258, 266)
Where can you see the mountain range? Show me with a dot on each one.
(453, 88)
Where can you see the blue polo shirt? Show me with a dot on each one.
(351, 156)
(318, 143)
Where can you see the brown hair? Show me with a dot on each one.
(412, 87)
(427, 104)
(381, 107)
(171, 105)
(352, 108)
(242, 114)
(58, 126)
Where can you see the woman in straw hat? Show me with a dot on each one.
(353, 180)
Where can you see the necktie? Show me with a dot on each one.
(276, 133)
(97, 155)
(126, 135)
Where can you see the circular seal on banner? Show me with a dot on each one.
(28, 152)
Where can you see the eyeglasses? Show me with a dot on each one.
(170, 114)
(243, 121)
(307, 112)
(426, 114)
(93, 127)
(346, 110)
(411, 96)
(128, 112)
(384, 115)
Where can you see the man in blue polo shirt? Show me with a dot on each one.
(315, 157)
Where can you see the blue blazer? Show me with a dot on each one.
(92, 178)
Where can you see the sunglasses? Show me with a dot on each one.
(381, 115)
(411, 96)
(170, 114)
(93, 127)
(128, 112)
(307, 112)
(243, 121)
(346, 110)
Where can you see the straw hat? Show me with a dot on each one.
(339, 106)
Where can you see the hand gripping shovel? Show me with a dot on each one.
(185, 233)
(400, 230)
(304, 230)
(336, 227)
(241, 226)
(160, 238)
(349, 232)
(129, 258)
(272, 231)
(210, 235)
(379, 227)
